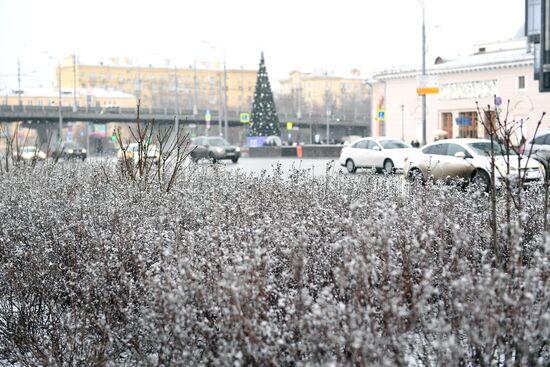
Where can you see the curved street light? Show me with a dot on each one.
(422, 4)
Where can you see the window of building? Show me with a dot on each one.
(92, 76)
(521, 82)
(82, 75)
(467, 126)
(447, 123)
(120, 78)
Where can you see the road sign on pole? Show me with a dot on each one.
(245, 117)
(380, 115)
(289, 125)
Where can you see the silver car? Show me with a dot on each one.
(539, 147)
(469, 160)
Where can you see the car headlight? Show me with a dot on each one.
(83, 150)
(219, 150)
(237, 149)
(70, 151)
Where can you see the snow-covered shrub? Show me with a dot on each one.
(282, 268)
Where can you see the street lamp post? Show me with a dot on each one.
(59, 90)
(59, 103)
(224, 100)
(223, 96)
(328, 125)
(421, 2)
(74, 83)
(19, 81)
(403, 122)
(176, 122)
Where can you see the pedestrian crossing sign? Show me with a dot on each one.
(245, 117)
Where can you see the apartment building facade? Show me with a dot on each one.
(303, 94)
(190, 88)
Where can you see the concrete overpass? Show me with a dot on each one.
(45, 119)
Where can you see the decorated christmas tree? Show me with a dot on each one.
(264, 119)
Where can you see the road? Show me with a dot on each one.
(319, 166)
(257, 165)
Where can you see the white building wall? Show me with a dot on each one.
(524, 104)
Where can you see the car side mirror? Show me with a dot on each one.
(460, 155)
(376, 147)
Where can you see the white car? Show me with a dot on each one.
(381, 153)
(30, 153)
(132, 151)
(470, 161)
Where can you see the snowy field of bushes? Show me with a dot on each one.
(282, 268)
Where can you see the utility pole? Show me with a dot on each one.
(328, 124)
(195, 91)
(299, 112)
(220, 106)
(403, 122)
(242, 90)
(59, 103)
(176, 122)
(423, 70)
(226, 133)
(19, 81)
(74, 83)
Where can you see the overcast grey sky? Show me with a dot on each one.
(337, 36)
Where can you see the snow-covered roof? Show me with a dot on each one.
(480, 60)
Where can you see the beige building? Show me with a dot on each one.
(89, 97)
(318, 93)
(503, 69)
(196, 86)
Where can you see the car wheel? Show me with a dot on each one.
(235, 159)
(388, 166)
(482, 180)
(350, 166)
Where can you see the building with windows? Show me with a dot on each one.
(496, 76)
(48, 97)
(303, 94)
(188, 88)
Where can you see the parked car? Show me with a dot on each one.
(29, 153)
(132, 151)
(539, 147)
(214, 148)
(468, 160)
(69, 150)
(381, 153)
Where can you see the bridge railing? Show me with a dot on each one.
(168, 113)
